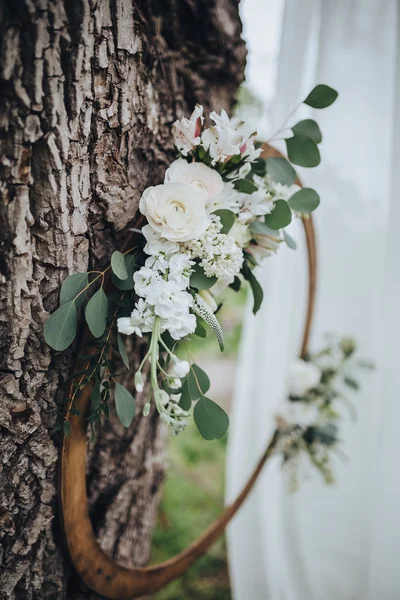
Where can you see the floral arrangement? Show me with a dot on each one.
(221, 209)
(308, 421)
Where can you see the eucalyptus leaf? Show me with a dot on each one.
(304, 201)
(281, 170)
(72, 286)
(211, 420)
(67, 428)
(126, 284)
(60, 328)
(236, 284)
(303, 151)
(261, 228)
(245, 186)
(280, 217)
(227, 219)
(259, 166)
(352, 383)
(199, 279)
(185, 401)
(257, 290)
(125, 405)
(122, 351)
(118, 265)
(289, 240)
(309, 128)
(321, 96)
(95, 398)
(198, 382)
(96, 313)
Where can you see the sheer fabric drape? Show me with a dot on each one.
(340, 542)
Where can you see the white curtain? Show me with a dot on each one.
(340, 542)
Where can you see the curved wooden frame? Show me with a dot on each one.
(96, 569)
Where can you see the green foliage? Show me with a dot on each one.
(118, 265)
(304, 201)
(256, 288)
(200, 280)
(72, 286)
(289, 240)
(281, 170)
(227, 219)
(122, 351)
(126, 284)
(309, 128)
(60, 328)
(280, 217)
(67, 428)
(303, 151)
(200, 330)
(195, 384)
(262, 228)
(245, 186)
(321, 96)
(125, 404)
(211, 420)
(96, 313)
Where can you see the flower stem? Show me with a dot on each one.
(155, 336)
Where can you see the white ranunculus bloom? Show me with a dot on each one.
(241, 233)
(303, 376)
(175, 210)
(186, 132)
(180, 368)
(199, 175)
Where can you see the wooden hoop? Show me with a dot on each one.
(95, 568)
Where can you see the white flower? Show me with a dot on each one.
(180, 269)
(186, 132)
(229, 198)
(144, 279)
(139, 382)
(299, 413)
(180, 368)
(281, 191)
(180, 325)
(303, 376)
(241, 233)
(199, 175)
(176, 210)
(168, 299)
(229, 137)
(141, 320)
(219, 254)
(156, 244)
(263, 246)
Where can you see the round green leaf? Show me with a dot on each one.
(118, 265)
(289, 240)
(96, 313)
(185, 401)
(245, 185)
(128, 283)
(304, 201)
(199, 280)
(198, 382)
(261, 228)
(125, 405)
(321, 96)
(122, 351)
(211, 420)
(280, 217)
(227, 219)
(281, 170)
(309, 128)
(303, 151)
(60, 328)
(72, 286)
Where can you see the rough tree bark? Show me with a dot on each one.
(88, 92)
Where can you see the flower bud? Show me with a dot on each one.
(139, 383)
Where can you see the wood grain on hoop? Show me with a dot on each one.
(96, 569)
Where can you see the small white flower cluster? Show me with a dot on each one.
(227, 138)
(219, 254)
(162, 284)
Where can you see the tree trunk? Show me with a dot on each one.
(88, 92)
